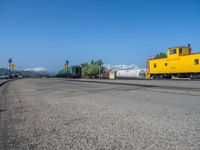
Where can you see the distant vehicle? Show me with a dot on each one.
(20, 77)
(180, 62)
(70, 72)
(75, 71)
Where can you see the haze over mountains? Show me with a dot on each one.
(107, 67)
(120, 67)
(37, 69)
(46, 70)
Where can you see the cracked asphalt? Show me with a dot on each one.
(60, 114)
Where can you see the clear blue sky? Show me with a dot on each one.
(47, 32)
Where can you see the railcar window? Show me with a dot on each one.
(154, 65)
(180, 51)
(173, 51)
(77, 71)
(196, 61)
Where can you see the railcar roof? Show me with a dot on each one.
(179, 47)
(76, 66)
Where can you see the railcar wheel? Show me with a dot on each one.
(195, 76)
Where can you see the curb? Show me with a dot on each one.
(1, 84)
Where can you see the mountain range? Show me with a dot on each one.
(37, 69)
(106, 66)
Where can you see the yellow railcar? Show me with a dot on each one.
(180, 62)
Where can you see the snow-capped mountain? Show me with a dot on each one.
(120, 67)
(37, 69)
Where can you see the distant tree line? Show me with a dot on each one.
(160, 55)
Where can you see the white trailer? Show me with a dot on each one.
(133, 73)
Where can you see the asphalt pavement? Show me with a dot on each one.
(62, 114)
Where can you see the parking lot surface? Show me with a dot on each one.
(62, 114)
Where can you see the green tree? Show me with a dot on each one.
(99, 62)
(93, 69)
(85, 70)
(160, 55)
(83, 65)
(92, 62)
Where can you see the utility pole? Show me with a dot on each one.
(10, 63)
(66, 67)
(100, 67)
